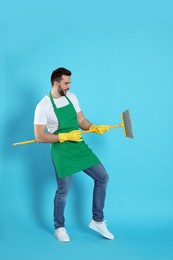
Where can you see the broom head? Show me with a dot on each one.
(127, 125)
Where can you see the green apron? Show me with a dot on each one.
(70, 157)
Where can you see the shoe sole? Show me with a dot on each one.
(63, 241)
(95, 229)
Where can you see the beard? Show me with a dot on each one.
(61, 91)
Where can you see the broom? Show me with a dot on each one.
(125, 124)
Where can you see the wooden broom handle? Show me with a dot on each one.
(110, 127)
(82, 132)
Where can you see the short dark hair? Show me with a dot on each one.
(57, 74)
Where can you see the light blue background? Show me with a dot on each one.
(121, 56)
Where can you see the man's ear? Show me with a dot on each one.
(56, 84)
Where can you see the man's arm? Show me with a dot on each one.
(82, 121)
(43, 137)
(86, 125)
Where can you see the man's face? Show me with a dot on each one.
(64, 85)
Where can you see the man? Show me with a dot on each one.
(60, 113)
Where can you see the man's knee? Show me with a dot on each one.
(63, 187)
(105, 178)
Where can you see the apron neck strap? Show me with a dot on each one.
(53, 103)
(68, 99)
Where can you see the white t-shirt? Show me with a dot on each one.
(44, 112)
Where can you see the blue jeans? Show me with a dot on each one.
(100, 177)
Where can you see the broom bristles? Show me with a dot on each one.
(127, 124)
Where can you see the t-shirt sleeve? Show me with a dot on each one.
(40, 116)
(75, 102)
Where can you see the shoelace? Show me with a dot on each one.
(64, 230)
(104, 222)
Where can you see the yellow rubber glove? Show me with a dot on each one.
(99, 129)
(74, 136)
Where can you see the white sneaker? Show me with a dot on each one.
(61, 234)
(101, 228)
